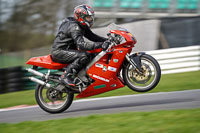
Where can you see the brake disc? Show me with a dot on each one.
(144, 77)
(53, 95)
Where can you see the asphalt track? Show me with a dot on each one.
(116, 104)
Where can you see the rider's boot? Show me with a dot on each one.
(70, 73)
(67, 79)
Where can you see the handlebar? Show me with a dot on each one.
(111, 40)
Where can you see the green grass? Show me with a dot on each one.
(171, 82)
(173, 121)
(17, 98)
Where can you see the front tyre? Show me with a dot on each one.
(145, 81)
(51, 100)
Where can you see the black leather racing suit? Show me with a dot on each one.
(70, 47)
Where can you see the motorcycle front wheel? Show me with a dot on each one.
(147, 79)
(52, 100)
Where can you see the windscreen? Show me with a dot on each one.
(113, 26)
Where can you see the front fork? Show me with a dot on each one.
(135, 61)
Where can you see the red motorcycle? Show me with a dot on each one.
(108, 70)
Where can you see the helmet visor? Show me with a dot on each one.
(89, 19)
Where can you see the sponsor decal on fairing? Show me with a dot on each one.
(100, 86)
(113, 69)
(105, 68)
(98, 65)
(101, 78)
(115, 60)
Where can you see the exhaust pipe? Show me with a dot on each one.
(36, 72)
(40, 82)
(40, 75)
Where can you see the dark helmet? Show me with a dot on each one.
(84, 14)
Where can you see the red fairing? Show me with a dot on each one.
(95, 51)
(105, 74)
(45, 62)
(129, 37)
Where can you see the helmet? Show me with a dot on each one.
(84, 14)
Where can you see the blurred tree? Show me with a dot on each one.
(32, 23)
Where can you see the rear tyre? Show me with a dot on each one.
(52, 100)
(146, 81)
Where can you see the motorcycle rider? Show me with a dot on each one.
(69, 45)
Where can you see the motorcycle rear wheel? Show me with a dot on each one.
(52, 100)
(146, 81)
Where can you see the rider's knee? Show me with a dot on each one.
(85, 58)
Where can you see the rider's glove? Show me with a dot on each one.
(105, 45)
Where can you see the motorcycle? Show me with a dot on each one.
(110, 69)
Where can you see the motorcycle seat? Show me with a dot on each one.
(45, 62)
